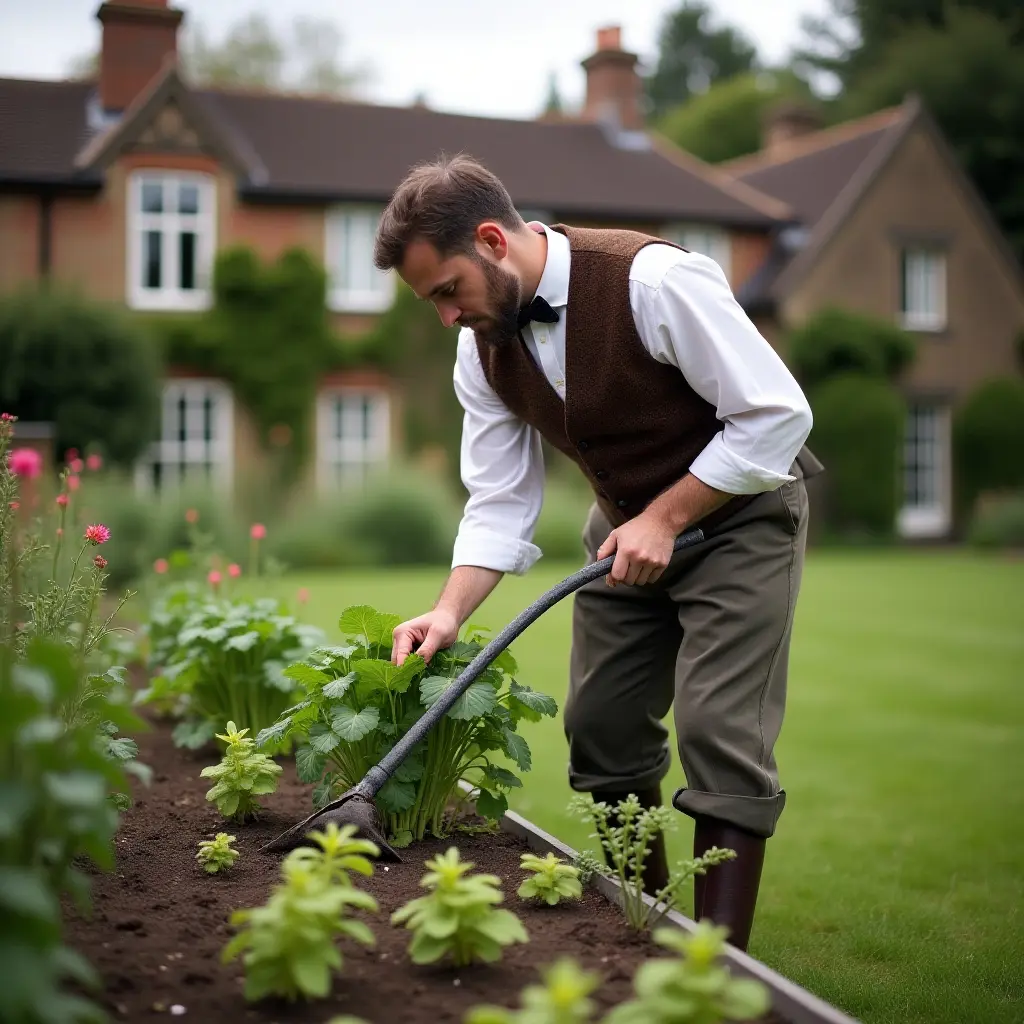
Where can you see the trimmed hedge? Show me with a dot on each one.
(988, 441)
(836, 342)
(83, 366)
(858, 434)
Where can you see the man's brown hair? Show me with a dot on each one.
(442, 202)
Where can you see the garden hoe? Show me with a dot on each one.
(356, 806)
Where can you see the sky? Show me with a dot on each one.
(464, 56)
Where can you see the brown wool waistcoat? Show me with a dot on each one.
(632, 424)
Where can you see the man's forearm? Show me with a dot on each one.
(686, 502)
(466, 589)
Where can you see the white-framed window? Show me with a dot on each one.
(172, 220)
(708, 241)
(353, 429)
(926, 471)
(196, 437)
(356, 285)
(923, 289)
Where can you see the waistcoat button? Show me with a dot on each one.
(583, 446)
(602, 474)
(622, 503)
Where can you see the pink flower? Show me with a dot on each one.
(191, 515)
(161, 566)
(214, 578)
(94, 462)
(100, 562)
(6, 417)
(77, 465)
(98, 534)
(303, 595)
(71, 454)
(60, 531)
(234, 571)
(257, 531)
(14, 505)
(74, 483)
(62, 500)
(25, 462)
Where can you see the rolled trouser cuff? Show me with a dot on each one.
(756, 814)
(584, 782)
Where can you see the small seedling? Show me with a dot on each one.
(587, 865)
(552, 879)
(288, 945)
(628, 844)
(217, 854)
(458, 918)
(564, 998)
(339, 853)
(692, 988)
(242, 774)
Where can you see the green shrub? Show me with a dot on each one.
(998, 522)
(82, 366)
(559, 532)
(988, 440)
(858, 435)
(836, 342)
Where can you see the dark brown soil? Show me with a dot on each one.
(159, 922)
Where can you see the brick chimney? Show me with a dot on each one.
(786, 121)
(138, 38)
(614, 89)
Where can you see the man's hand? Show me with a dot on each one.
(643, 548)
(432, 632)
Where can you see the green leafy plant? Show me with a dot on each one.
(228, 662)
(357, 704)
(693, 987)
(552, 879)
(242, 774)
(288, 945)
(628, 844)
(587, 865)
(217, 854)
(563, 998)
(339, 853)
(458, 918)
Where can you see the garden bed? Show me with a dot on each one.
(159, 923)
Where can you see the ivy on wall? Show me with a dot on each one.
(268, 333)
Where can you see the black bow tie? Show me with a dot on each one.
(537, 310)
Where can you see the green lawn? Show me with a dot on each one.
(895, 885)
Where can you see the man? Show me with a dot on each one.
(632, 357)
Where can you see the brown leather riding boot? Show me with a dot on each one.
(655, 870)
(727, 894)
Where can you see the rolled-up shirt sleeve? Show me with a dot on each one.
(687, 316)
(502, 468)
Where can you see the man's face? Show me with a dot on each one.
(473, 291)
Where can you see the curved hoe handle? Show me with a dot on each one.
(381, 772)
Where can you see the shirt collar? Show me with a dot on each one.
(554, 281)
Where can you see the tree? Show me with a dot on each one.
(725, 122)
(970, 76)
(693, 55)
(854, 36)
(553, 104)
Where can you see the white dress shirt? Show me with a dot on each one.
(686, 315)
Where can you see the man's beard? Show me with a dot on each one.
(504, 297)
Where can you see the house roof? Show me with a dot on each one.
(821, 176)
(310, 149)
(42, 126)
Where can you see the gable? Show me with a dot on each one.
(170, 130)
(917, 193)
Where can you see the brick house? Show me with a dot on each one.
(127, 186)
(887, 223)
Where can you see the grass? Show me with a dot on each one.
(894, 887)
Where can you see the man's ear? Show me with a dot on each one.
(492, 236)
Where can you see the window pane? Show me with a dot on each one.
(188, 198)
(151, 269)
(152, 197)
(187, 263)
